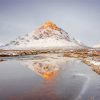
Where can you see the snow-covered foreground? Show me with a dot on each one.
(48, 77)
(94, 64)
(97, 63)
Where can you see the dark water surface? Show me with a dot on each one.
(47, 77)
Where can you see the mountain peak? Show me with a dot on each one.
(50, 24)
(47, 36)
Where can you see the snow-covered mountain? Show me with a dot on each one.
(97, 46)
(46, 36)
(1, 44)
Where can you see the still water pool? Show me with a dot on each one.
(47, 77)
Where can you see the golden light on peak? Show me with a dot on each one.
(51, 25)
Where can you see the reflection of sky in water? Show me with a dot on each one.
(67, 78)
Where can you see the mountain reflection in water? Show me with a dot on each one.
(44, 69)
(46, 77)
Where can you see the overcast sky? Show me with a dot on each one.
(80, 18)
